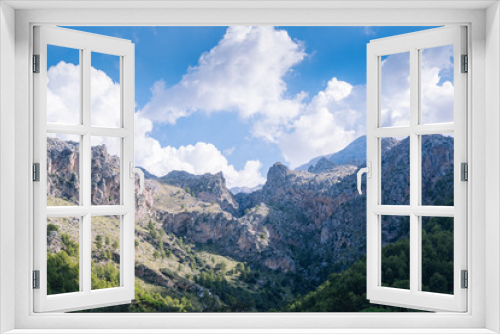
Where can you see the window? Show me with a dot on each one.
(182, 235)
(203, 245)
(78, 213)
(476, 318)
(417, 120)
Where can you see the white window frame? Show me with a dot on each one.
(484, 212)
(85, 44)
(414, 43)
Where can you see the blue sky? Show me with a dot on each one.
(315, 75)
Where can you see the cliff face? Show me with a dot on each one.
(63, 168)
(307, 223)
(207, 187)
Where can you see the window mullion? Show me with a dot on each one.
(85, 184)
(414, 172)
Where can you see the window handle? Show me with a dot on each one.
(368, 171)
(134, 170)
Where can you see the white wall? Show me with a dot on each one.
(492, 164)
(7, 160)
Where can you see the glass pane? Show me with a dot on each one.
(63, 169)
(63, 85)
(105, 189)
(437, 254)
(396, 251)
(105, 90)
(436, 85)
(395, 90)
(395, 172)
(437, 170)
(105, 252)
(63, 268)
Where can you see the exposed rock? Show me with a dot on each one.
(302, 222)
(207, 187)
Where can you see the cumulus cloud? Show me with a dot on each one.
(63, 96)
(63, 89)
(244, 74)
(395, 90)
(200, 158)
(333, 119)
(436, 85)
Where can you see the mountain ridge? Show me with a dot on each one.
(301, 226)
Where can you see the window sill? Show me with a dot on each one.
(251, 331)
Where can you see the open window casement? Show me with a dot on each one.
(70, 219)
(417, 97)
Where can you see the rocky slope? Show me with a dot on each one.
(300, 227)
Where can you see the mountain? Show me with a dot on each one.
(245, 190)
(352, 154)
(195, 239)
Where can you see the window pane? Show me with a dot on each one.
(395, 170)
(395, 251)
(105, 170)
(63, 169)
(437, 170)
(63, 271)
(437, 254)
(436, 85)
(105, 90)
(105, 252)
(395, 90)
(63, 85)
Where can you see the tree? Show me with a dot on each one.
(156, 255)
(160, 247)
(153, 233)
(106, 240)
(52, 227)
(98, 241)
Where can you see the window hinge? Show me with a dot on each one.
(36, 63)
(465, 279)
(36, 279)
(464, 171)
(36, 172)
(465, 64)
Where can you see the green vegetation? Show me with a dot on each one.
(63, 273)
(146, 301)
(236, 287)
(346, 291)
(52, 227)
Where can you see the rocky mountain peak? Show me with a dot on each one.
(207, 187)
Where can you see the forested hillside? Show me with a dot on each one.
(291, 246)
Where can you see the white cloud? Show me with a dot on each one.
(197, 159)
(244, 74)
(332, 120)
(395, 90)
(437, 85)
(200, 158)
(229, 151)
(63, 96)
(369, 31)
(437, 88)
(104, 100)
